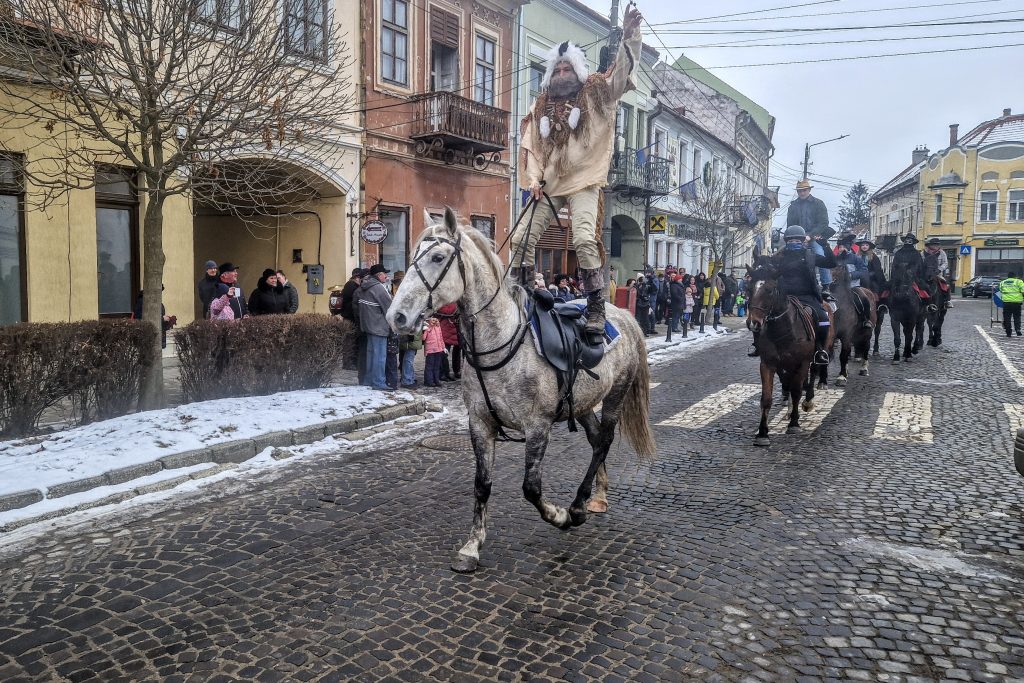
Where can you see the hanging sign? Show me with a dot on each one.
(374, 232)
(658, 224)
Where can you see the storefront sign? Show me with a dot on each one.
(658, 224)
(374, 232)
(1001, 243)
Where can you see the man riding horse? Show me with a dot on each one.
(875, 280)
(795, 264)
(566, 150)
(909, 262)
(858, 270)
(936, 266)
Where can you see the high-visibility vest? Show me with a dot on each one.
(1011, 290)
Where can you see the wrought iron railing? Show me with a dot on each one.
(448, 114)
(638, 173)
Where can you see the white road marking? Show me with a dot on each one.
(1015, 374)
(905, 417)
(824, 401)
(1015, 414)
(655, 385)
(712, 407)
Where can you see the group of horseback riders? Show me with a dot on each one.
(806, 252)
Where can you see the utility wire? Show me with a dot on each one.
(822, 14)
(710, 46)
(930, 23)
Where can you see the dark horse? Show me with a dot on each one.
(850, 332)
(936, 315)
(785, 340)
(906, 313)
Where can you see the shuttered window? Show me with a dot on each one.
(444, 28)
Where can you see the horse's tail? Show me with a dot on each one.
(635, 422)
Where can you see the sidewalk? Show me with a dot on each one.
(107, 462)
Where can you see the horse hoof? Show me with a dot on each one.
(577, 516)
(863, 373)
(876, 354)
(808, 407)
(908, 359)
(840, 381)
(464, 564)
(762, 441)
(597, 506)
(794, 429)
(821, 385)
(895, 361)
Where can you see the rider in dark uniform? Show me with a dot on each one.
(796, 263)
(859, 274)
(908, 259)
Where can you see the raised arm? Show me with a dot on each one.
(627, 59)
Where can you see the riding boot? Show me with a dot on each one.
(593, 285)
(820, 337)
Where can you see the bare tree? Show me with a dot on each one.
(203, 98)
(715, 216)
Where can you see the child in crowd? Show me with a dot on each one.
(433, 343)
(741, 305)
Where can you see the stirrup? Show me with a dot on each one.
(753, 351)
(932, 308)
(821, 357)
(883, 308)
(868, 325)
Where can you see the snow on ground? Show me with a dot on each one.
(43, 461)
(659, 351)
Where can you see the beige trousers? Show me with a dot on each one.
(583, 205)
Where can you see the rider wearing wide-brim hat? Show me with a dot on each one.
(909, 261)
(796, 264)
(876, 275)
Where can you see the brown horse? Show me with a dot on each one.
(784, 329)
(850, 332)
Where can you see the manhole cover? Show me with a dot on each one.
(448, 442)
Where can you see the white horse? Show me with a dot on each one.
(510, 385)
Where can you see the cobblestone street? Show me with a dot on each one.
(886, 542)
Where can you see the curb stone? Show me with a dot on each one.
(222, 456)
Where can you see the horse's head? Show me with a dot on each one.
(435, 276)
(762, 291)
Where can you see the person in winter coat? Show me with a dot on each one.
(348, 293)
(268, 298)
(373, 300)
(408, 345)
(220, 307)
(229, 277)
(690, 301)
(644, 292)
(207, 287)
(698, 291)
(291, 293)
(564, 291)
(676, 305)
(449, 319)
(169, 321)
(433, 342)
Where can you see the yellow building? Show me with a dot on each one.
(972, 198)
(80, 257)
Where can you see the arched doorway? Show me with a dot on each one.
(626, 248)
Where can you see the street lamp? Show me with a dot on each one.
(807, 151)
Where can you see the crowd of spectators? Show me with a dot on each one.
(223, 299)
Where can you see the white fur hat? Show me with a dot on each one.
(566, 52)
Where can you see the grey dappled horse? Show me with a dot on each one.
(510, 385)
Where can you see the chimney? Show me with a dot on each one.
(954, 129)
(920, 154)
(1007, 112)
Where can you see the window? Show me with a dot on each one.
(716, 168)
(224, 14)
(624, 124)
(698, 162)
(394, 42)
(394, 250)
(684, 152)
(938, 208)
(483, 89)
(1015, 208)
(444, 50)
(660, 143)
(484, 224)
(991, 176)
(959, 207)
(988, 203)
(536, 78)
(12, 241)
(117, 237)
(306, 27)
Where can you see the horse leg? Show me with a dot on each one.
(808, 405)
(896, 326)
(767, 386)
(796, 387)
(878, 333)
(918, 334)
(536, 443)
(844, 359)
(482, 436)
(600, 438)
(908, 345)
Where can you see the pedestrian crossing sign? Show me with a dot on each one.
(965, 250)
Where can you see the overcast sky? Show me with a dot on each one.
(887, 106)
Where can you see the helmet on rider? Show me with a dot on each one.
(794, 232)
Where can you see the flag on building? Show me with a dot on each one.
(688, 191)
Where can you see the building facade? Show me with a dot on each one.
(895, 208)
(972, 198)
(438, 80)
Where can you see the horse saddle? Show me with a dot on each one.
(560, 330)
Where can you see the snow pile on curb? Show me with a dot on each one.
(660, 351)
(46, 461)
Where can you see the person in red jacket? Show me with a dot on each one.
(449, 317)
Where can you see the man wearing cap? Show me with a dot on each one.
(229, 276)
(908, 261)
(567, 141)
(812, 215)
(373, 300)
(207, 286)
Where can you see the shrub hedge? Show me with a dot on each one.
(261, 355)
(95, 365)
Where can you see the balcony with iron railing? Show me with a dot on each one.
(457, 129)
(638, 175)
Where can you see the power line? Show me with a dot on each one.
(758, 11)
(931, 23)
(821, 14)
(847, 42)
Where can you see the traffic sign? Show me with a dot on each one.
(374, 232)
(965, 250)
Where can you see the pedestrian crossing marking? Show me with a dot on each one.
(1015, 374)
(712, 407)
(824, 401)
(1015, 414)
(905, 417)
(655, 385)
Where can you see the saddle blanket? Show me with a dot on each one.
(611, 333)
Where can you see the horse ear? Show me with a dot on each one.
(428, 220)
(450, 221)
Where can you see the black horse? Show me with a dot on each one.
(906, 313)
(936, 314)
